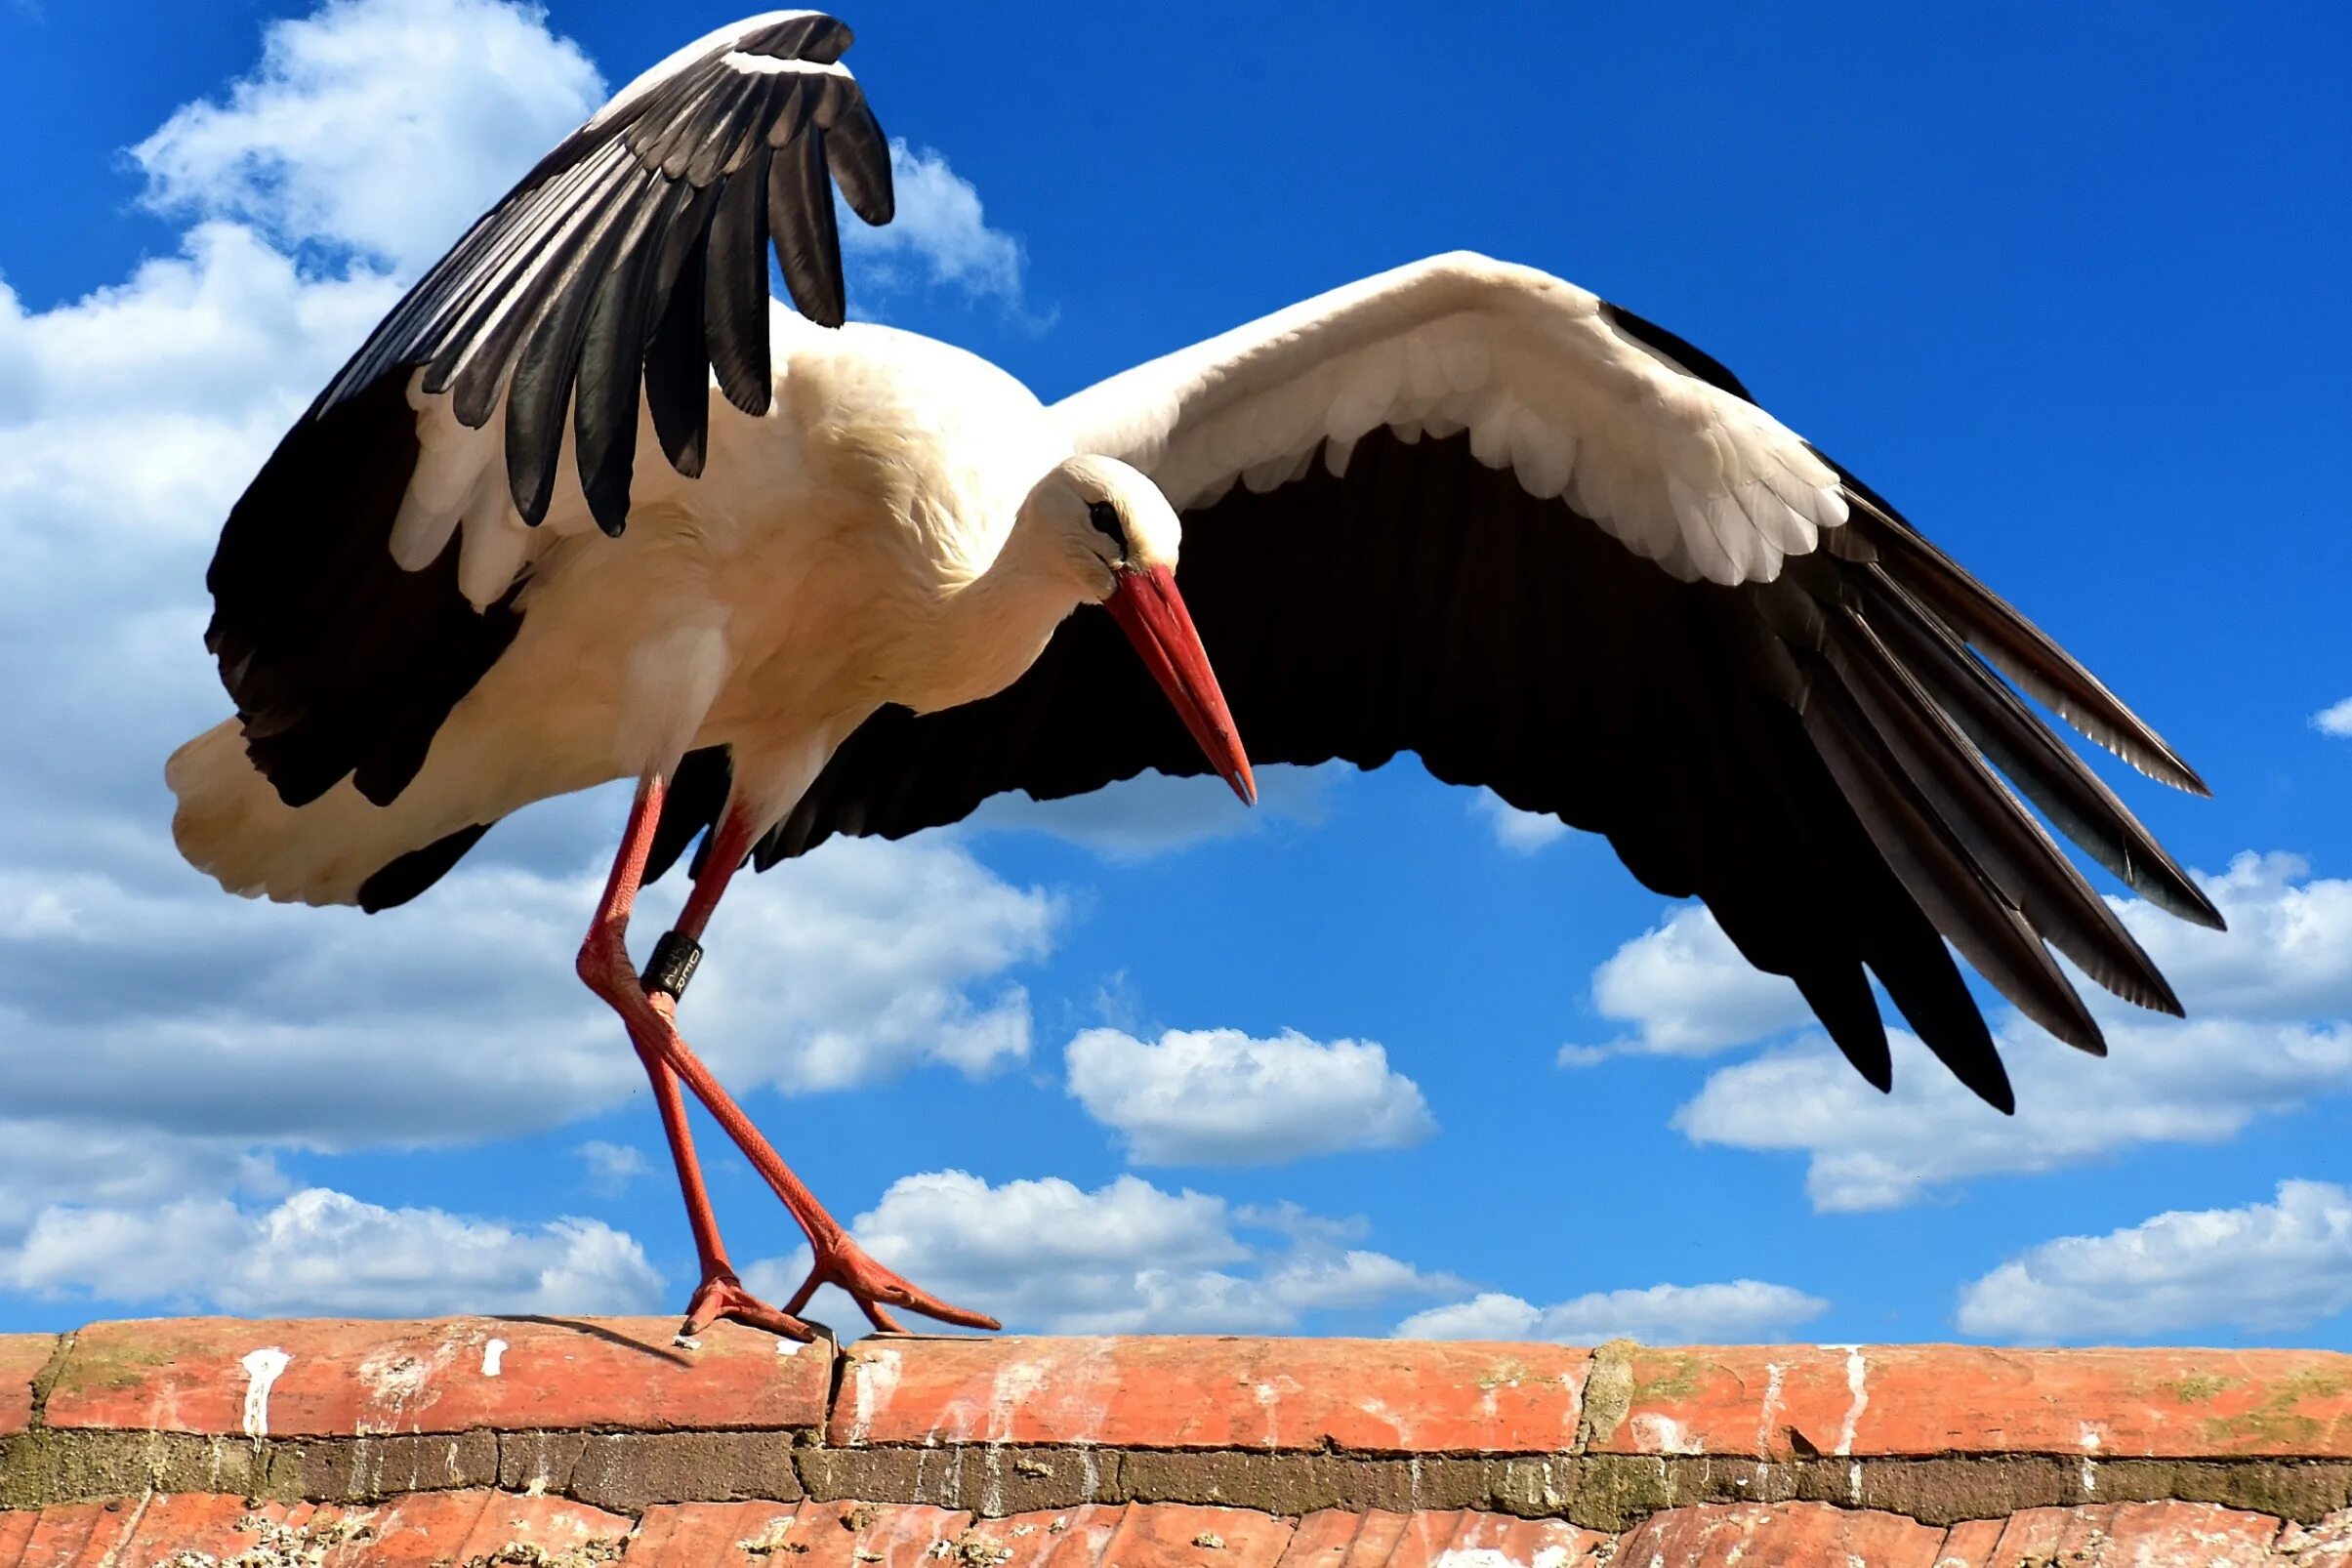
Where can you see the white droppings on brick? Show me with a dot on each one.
(1481, 1557)
(1769, 1420)
(492, 1350)
(400, 1385)
(1379, 1411)
(1016, 1384)
(262, 1369)
(1662, 1434)
(2090, 1438)
(1857, 1384)
(876, 1374)
(1550, 1557)
(786, 1347)
(1013, 1386)
(1268, 1397)
(1853, 1482)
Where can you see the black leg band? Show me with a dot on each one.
(672, 965)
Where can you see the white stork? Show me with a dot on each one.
(798, 578)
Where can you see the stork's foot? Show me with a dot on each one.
(723, 1295)
(843, 1263)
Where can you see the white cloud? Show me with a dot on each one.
(1127, 1258)
(2266, 1268)
(611, 1167)
(1217, 1096)
(1688, 991)
(330, 1028)
(1154, 814)
(1519, 832)
(2288, 952)
(939, 237)
(46, 1163)
(324, 1253)
(2335, 720)
(383, 126)
(2266, 1033)
(861, 959)
(1743, 1311)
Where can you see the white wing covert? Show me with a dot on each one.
(1548, 381)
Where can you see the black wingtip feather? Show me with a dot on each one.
(405, 877)
(860, 155)
(1840, 998)
(735, 289)
(801, 224)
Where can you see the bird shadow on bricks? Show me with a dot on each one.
(598, 1330)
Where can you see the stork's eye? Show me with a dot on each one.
(1105, 519)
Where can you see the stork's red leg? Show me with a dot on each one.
(720, 1294)
(604, 965)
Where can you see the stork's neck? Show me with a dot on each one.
(988, 630)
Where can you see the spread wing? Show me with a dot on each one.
(1469, 512)
(367, 577)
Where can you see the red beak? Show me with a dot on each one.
(1152, 613)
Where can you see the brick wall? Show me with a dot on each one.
(477, 1441)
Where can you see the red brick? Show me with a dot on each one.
(1377, 1535)
(1427, 1538)
(2153, 1535)
(2109, 1403)
(1319, 1541)
(1368, 1395)
(2034, 1534)
(1970, 1544)
(711, 1535)
(869, 1535)
(340, 1378)
(507, 1520)
(1523, 1541)
(187, 1521)
(2325, 1545)
(1872, 1400)
(415, 1532)
(1179, 1534)
(15, 1528)
(21, 1358)
(1718, 1536)
(80, 1533)
(1053, 1537)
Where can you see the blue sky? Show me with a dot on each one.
(2066, 285)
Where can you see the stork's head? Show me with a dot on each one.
(1111, 529)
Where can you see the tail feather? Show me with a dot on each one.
(232, 824)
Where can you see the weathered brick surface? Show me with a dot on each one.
(1177, 1535)
(716, 1535)
(21, 1358)
(214, 1377)
(1769, 1402)
(1050, 1537)
(452, 1443)
(1366, 1395)
(551, 1524)
(87, 1532)
(1785, 1533)
(474, 1529)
